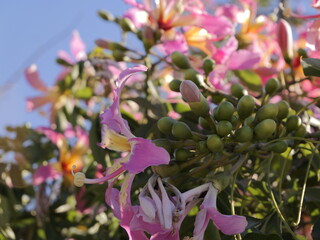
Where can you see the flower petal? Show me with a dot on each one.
(43, 173)
(33, 78)
(228, 224)
(144, 154)
(111, 117)
(77, 47)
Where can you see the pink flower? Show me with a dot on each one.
(67, 156)
(116, 135)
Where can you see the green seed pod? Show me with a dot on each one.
(292, 123)
(265, 129)
(167, 170)
(182, 154)
(202, 146)
(174, 85)
(180, 60)
(214, 143)
(224, 128)
(244, 134)
(237, 90)
(278, 147)
(301, 131)
(193, 75)
(127, 25)
(245, 106)
(268, 111)
(208, 66)
(225, 111)
(181, 130)
(164, 143)
(165, 124)
(283, 107)
(204, 123)
(272, 86)
(248, 121)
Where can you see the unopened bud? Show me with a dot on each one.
(181, 130)
(208, 66)
(148, 38)
(192, 95)
(272, 86)
(106, 15)
(285, 38)
(174, 85)
(221, 180)
(127, 25)
(180, 60)
(193, 75)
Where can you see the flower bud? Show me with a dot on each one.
(214, 143)
(301, 131)
(285, 38)
(283, 108)
(127, 25)
(245, 106)
(181, 130)
(106, 15)
(270, 110)
(208, 66)
(148, 38)
(165, 124)
(192, 95)
(174, 85)
(278, 147)
(182, 154)
(237, 90)
(224, 128)
(164, 143)
(225, 111)
(265, 129)
(180, 60)
(193, 75)
(244, 134)
(292, 123)
(272, 86)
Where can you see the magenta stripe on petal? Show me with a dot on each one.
(144, 154)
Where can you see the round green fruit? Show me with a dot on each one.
(165, 124)
(180, 60)
(265, 129)
(245, 106)
(237, 90)
(244, 134)
(182, 154)
(174, 85)
(301, 131)
(225, 111)
(181, 130)
(214, 143)
(283, 110)
(278, 147)
(292, 123)
(268, 111)
(272, 86)
(224, 128)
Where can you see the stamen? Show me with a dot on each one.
(80, 178)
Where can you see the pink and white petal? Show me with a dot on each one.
(65, 56)
(33, 78)
(228, 224)
(77, 47)
(44, 173)
(33, 103)
(179, 43)
(137, 223)
(144, 154)
(138, 17)
(55, 137)
(243, 59)
(200, 225)
(224, 53)
(111, 117)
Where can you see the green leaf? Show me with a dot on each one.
(311, 66)
(255, 236)
(250, 79)
(84, 93)
(316, 230)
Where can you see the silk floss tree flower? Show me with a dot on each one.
(116, 135)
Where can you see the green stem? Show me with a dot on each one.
(274, 201)
(211, 123)
(293, 138)
(296, 223)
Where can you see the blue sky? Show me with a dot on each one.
(28, 25)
